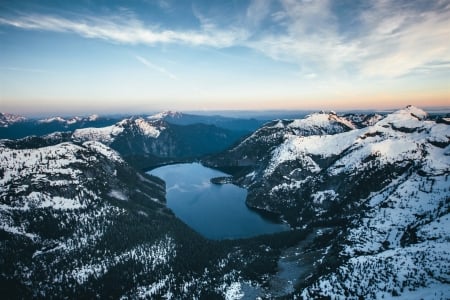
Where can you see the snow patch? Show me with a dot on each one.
(118, 195)
(147, 129)
(103, 150)
(103, 134)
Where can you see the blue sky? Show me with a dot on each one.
(139, 56)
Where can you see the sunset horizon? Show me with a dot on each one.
(208, 55)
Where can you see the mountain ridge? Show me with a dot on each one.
(383, 189)
(367, 198)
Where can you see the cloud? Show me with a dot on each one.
(389, 38)
(27, 70)
(119, 29)
(383, 38)
(257, 11)
(401, 38)
(156, 68)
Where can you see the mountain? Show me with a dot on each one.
(154, 141)
(60, 204)
(235, 124)
(7, 120)
(143, 141)
(367, 198)
(381, 190)
(254, 151)
(76, 221)
(15, 127)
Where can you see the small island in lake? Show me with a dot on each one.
(222, 180)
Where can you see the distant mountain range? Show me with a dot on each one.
(367, 197)
(15, 126)
(143, 141)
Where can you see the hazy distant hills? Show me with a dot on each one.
(230, 123)
(14, 127)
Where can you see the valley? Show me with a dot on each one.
(365, 198)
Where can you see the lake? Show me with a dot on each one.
(215, 211)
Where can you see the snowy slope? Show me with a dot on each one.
(106, 135)
(400, 246)
(155, 139)
(255, 148)
(379, 184)
(56, 210)
(166, 114)
(77, 222)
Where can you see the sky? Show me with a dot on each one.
(114, 56)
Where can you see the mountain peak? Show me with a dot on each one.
(408, 119)
(93, 117)
(321, 119)
(53, 119)
(414, 112)
(166, 114)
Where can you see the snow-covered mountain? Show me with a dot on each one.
(77, 222)
(108, 134)
(383, 190)
(143, 141)
(367, 197)
(15, 127)
(62, 214)
(246, 125)
(255, 149)
(157, 139)
(164, 115)
(70, 120)
(9, 119)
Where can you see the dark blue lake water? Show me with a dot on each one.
(215, 211)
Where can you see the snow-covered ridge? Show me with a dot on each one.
(8, 119)
(104, 150)
(35, 178)
(387, 140)
(93, 117)
(69, 121)
(53, 119)
(104, 135)
(394, 179)
(165, 114)
(321, 120)
(147, 128)
(314, 124)
(300, 148)
(48, 161)
(108, 134)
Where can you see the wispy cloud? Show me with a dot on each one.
(27, 70)
(119, 29)
(393, 38)
(401, 38)
(257, 11)
(156, 68)
(389, 38)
